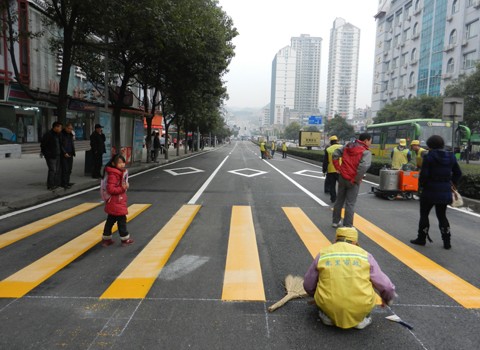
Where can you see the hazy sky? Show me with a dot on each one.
(266, 26)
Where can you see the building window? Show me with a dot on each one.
(469, 60)
(471, 29)
(450, 65)
(455, 6)
(417, 5)
(453, 37)
(469, 3)
(411, 79)
(413, 55)
(415, 29)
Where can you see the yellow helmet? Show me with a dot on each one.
(402, 142)
(415, 142)
(333, 138)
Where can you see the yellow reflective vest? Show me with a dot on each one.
(330, 150)
(419, 156)
(262, 146)
(284, 147)
(344, 291)
(399, 158)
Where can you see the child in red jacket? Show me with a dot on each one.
(116, 205)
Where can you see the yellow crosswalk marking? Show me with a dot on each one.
(311, 236)
(243, 275)
(40, 225)
(137, 279)
(458, 289)
(23, 281)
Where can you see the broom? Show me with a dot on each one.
(294, 289)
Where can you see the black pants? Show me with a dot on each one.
(331, 180)
(284, 154)
(122, 226)
(54, 171)
(67, 164)
(97, 165)
(440, 210)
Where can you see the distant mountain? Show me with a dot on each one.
(244, 113)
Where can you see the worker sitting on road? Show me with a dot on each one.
(418, 153)
(343, 279)
(400, 155)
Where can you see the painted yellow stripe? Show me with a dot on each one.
(311, 236)
(458, 289)
(243, 275)
(137, 279)
(23, 281)
(22, 232)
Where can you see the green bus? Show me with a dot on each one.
(385, 136)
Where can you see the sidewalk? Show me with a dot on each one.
(23, 180)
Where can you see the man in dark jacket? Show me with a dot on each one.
(51, 149)
(97, 144)
(68, 152)
(356, 159)
(439, 171)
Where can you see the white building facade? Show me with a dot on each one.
(342, 69)
(422, 46)
(307, 80)
(282, 85)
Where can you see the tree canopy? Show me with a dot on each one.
(413, 108)
(338, 126)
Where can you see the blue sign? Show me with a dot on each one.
(314, 120)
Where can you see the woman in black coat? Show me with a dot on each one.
(439, 171)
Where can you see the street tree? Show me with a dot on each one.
(413, 108)
(468, 88)
(338, 126)
(68, 24)
(292, 131)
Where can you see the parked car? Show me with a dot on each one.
(7, 135)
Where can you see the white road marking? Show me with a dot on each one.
(307, 192)
(205, 185)
(182, 266)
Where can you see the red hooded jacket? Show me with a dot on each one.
(117, 204)
(355, 161)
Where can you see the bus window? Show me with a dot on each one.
(391, 135)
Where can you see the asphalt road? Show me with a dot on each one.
(92, 298)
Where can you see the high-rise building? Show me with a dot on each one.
(342, 69)
(422, 46)
(307, 78)
(283, 84)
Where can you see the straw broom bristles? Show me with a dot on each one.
(294, 289)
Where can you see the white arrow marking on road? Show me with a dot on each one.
(304, 173)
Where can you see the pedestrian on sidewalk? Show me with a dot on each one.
(68, 152)
(97, 145)
(356, 159)
(116, 177)
(331, 175)
(51, 149)
(440, 170)
(343, 278)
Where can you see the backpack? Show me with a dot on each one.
(103, 189)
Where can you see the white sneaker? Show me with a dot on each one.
(325, 319)
(366, 322)
(337, 224)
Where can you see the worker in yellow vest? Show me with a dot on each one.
(343, 278)
(331, 174)
(284, 149)
(418, 153)
(273, 148)
(263, 149)
(400, 155)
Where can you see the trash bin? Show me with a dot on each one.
(88, 163)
